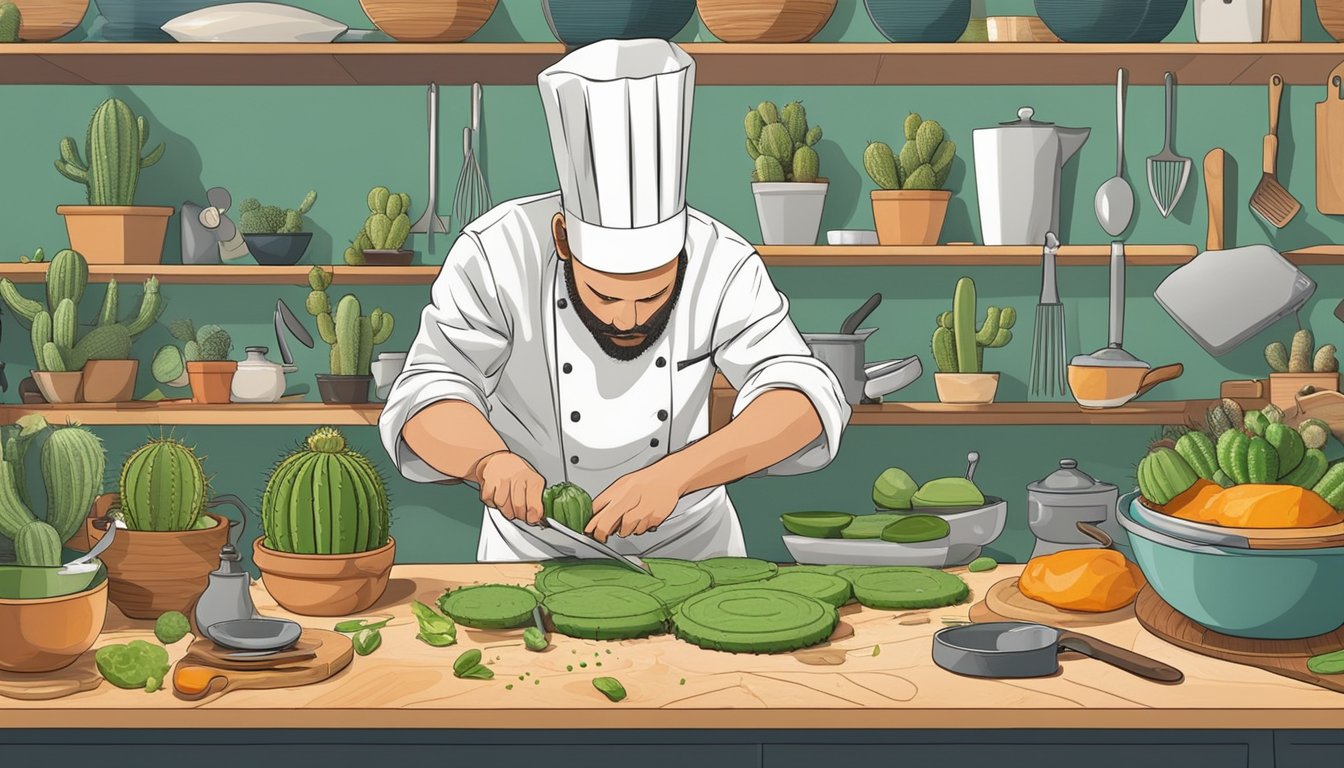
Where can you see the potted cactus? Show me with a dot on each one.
(111, 229)
(789, 193)
(274, 235)
(910, 203)
(96, 367)
(385, 231)
(1300, 371)
(352, 337)
(203, 362)
(959, 347)
(325, 554)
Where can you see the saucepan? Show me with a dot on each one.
(845, 354)
(1014, 649)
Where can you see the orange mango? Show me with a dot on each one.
(1261, 506)
(1092, 580)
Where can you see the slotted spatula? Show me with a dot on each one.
(1168, 172)
(1271, 201)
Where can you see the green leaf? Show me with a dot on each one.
(438, 641)
(355, 625)
(466, 662)
(534, 639)
(478, 672)
(877, 649)
(367, 641)
(431, 623)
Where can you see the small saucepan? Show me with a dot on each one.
(1111, 377)
(1011, 649)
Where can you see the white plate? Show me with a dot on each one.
(253, 23)
(930, 554)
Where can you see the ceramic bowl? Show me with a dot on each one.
(976, 526)
(44, 635)
(752, 21)
(1111, 21)
(941, 553)
(278, 250)
(920, 21)
(386, 369)
(851, 237)
(580, 22)
(1255, 593)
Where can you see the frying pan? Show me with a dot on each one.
(1012, 649)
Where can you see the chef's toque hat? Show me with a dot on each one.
(619, 114)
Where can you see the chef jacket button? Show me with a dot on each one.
(562, 303)
(662, 415)
(567, 368)
(573, 459)
(573, 415)
(654, 442)
(661, 362)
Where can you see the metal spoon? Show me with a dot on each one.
(1115, 198)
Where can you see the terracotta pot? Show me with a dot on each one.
(343, 390)
(765, 21)
(47, 635)
(909, 216)
(966, 388)
(1284, 387)
(325, 585)
(211, 381)
(109, 381)
(416, 21)
(44, 20)
(117, 234)
(64, 387)
(156, 571)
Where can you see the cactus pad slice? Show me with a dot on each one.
(680, 579)
(868, 526)
(828, 588)
(816, 525)
(905, 587)
(610, 687)
(562, 576)
(913, 529)
(606, 612)
(753, 620)
(737, 570)
(489, 606)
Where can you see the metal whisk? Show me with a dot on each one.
(472, 197)
(1048, 361)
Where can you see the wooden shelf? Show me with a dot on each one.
(245, 274)
(1155, 412)
(717, 63)
(968, 255)
(185, 413)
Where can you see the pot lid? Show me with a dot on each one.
(1069, 479)
(1109, 357)
(1024, 119)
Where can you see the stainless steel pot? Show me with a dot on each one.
(1057, 503)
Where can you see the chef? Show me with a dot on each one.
(573, 336)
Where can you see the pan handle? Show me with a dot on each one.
(1116, 656)
(1158, 375)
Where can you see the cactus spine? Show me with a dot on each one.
(386, 228)
(958, 346)
(780, 144)
(352, 335)
(163, 487)
(325, 499)
(116, 137)
(924, 162)
(69, 464)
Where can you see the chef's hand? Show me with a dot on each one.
(637, 503)
(511, 485)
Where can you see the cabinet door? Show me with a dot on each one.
(1098, 755)
(1308, 749)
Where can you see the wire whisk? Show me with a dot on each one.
(1048, 359)
(472, 197)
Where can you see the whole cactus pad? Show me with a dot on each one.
(924, 162)
(163, 487)
(780, 143)
(958, 346)
(386, 228)
(352, 335)
(325, 499)
(116, 138)
(258, 219)
(69, 465)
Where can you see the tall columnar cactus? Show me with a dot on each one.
(10, 20)
(116, 138)
(958, 346)
(1301, 359)
(163, 487)
(924, 162)
(386, 228)
(780, 143)
(301, 514)
(352, 335)
(110, 339)
(69, 464)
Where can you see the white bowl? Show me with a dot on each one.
(940, 553)
(851, 237)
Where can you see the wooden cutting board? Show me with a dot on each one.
(1282, 657)
(1005, 602)
(1330, 145)
(199, 675)
(80, 676)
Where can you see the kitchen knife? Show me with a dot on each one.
(593, 545)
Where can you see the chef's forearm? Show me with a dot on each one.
(775, 426)
(452, 436)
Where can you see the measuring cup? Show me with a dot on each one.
(1006, 649)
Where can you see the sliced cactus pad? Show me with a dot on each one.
(753, 620)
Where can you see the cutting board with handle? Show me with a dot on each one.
(1330, 145)
(204, 674)
(1005, 602)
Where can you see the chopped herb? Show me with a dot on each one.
(509, 687)
(367, 641)
(683, 681)
(583, 663)
(877, 649)
(610, 687)
(569, 667)
(355, 625)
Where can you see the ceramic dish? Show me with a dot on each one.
(851, 237)
(968, 525)
(255, 634)
(253, 23)
(930, 554)
(36, 582)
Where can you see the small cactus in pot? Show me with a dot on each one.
(203, 362)
(959, 347)
(352, 336)
(384, 232)
(1301, 370)
(275, 236)
(910, 202)
(789, 191)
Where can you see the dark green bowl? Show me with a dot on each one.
(1111, 21)
(580, 22)
(920, 21)
(35, 582)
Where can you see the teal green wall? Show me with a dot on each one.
(277, 142)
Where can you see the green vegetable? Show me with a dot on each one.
(753, 620)
(1256, 422)
(816, 525)
(171, 627)
(437, 641)
(1315, 433)
(736, 570)
(824, 587)
(1309, 471)
(948, 492)
(258, 219)
(894, 488)
(567, 504)
(559, 576)
(1164, 475)
(480, 672)
(136, 664)
(1288, 447)
(468, 660)
(958, 346)
(70, 468)
(906, 587)
(869, 526)
(1331, 486)
(163, 487)
(489, 606)
(610, 687)
(1327, 663)
(354, 625)
(534, 640)
(325, 499)
(1262, 461)
(366, 641)
(1233, 450)
(1198, 451)
(116, 137)
(438, 631)
(982, 564)
(606, 612)
(913, 529)
(680, 579)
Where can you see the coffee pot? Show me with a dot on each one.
(258, 380)
(227, 595)
(1017, 170)
(1058, 503)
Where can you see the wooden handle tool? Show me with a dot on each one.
(1214, 163)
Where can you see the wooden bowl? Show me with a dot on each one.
(43, 20)
(765, 21)
(429, 21)
(1331, 13)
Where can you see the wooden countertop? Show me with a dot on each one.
(407, 684)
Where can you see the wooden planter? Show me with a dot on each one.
(1284, 387)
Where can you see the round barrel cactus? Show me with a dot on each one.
(324, 499)
(568, 505)
(163, 487)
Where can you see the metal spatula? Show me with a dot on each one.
(1168, 172)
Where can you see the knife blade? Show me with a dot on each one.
(630, 561)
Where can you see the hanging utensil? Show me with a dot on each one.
(472, 197)
(851, 323)
(1048, 359)
(1270, 201)
(1115, 198)
(1168, 172)
(429, 222)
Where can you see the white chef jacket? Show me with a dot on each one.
(501, 335)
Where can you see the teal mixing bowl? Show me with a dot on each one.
(1255, 593)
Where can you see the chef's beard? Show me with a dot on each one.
(602, 332)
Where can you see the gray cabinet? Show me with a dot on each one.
(1308, 749)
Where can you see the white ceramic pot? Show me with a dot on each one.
(789, 212)
(1229, 21)
(385, 371)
